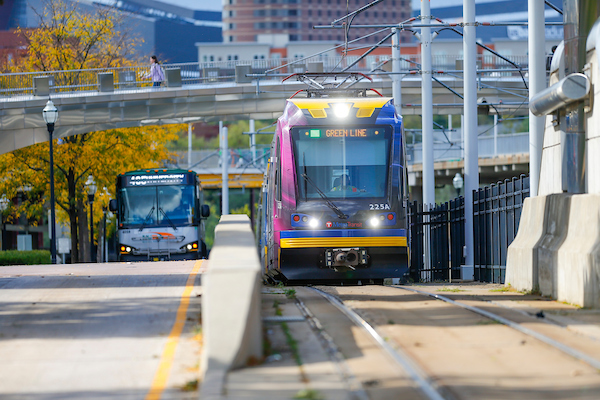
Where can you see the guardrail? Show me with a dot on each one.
(43, 83)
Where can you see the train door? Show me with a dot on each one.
(273, 201)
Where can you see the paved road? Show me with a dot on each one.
(99, 331)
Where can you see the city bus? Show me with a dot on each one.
(160, 215)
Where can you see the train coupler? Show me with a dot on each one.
(346, 258)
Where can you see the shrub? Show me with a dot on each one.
(32, 257)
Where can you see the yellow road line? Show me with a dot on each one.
(162, 374)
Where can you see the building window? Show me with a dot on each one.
(204, 58)
(319, 13)
(309, 13)
(212, 58)
(309, 37)
(293, 38)
(235, 57)
(329, 13)
(375, 14)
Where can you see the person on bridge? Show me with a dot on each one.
(156, 72)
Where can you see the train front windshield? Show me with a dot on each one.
(345, 162)
(163, 205)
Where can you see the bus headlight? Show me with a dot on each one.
(314, 223)
(374, 222)
(190, 246)
(125, 249)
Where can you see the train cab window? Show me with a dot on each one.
(344, 162)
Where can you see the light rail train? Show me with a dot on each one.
(334, 207)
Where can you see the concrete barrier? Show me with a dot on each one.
(521, 258)
(579, 255)
(231, 320)
(555, 227)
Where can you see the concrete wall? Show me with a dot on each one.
(592, 165)
(554, 232)
(551, 170)
(578, 277)
(522, 257)
(231, 303)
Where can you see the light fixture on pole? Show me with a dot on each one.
(3, 206)
(457, 182)
(91, 190)
(50, 114)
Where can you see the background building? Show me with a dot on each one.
(169, 28)
(270, 21)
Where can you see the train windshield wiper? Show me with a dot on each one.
(167, 218)
(147, 218)
(329, 203)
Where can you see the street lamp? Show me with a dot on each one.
(91, 189)
(50, 114)
(457, 182)
(3, 206)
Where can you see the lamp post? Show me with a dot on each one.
(457, 182)
(91, 189)
(50, 114)
(3, 206)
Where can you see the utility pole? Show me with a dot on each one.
(224, 169)
(470, 132)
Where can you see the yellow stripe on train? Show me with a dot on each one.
(379, 241)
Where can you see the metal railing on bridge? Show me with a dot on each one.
(194, 73)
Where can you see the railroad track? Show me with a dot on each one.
(426, 338)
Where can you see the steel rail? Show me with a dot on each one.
(426, 385)
(355, 387)
(543, 338)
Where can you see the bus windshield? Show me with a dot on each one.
(157, 206)
(345, 162)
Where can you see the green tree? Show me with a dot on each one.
(68, 39)
(101, 154)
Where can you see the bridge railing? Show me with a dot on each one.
(447, 148)
(244, 159)
(211, 72)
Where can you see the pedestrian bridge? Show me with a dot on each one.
(94, 101)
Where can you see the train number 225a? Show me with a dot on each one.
(379, 206)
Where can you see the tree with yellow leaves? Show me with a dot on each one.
(68, 39)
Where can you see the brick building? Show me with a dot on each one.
(267, 21)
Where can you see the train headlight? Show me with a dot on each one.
(125, 249)
(189, 246)
(374, 222)
(341, 110)
(314, 223)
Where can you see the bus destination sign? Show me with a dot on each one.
(157, 179)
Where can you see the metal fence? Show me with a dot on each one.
(23, 83)
(496, 215)
(445, 237)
